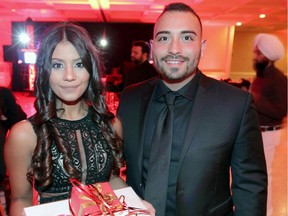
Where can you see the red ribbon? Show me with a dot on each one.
(96, 195)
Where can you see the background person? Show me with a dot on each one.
(140, 69)
(10, 113)
(269, 89)
(71, 133)
(215, 128)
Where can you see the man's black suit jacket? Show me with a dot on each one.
(224, 133)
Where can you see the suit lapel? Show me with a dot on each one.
(146, 106)
(201, 101)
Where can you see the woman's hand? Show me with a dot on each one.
(149, 207)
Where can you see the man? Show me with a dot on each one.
(269, 89)
(215, 129)
(140, 69)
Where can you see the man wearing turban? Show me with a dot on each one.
(270, 97)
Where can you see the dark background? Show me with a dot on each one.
(119, 36)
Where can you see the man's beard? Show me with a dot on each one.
(260, 67)
(137, 61)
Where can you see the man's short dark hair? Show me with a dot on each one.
(145, 46)
(180, 7)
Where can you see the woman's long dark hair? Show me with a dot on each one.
(45, 103)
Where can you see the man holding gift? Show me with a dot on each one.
(184, 132)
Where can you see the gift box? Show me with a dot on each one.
(131, 204)
(94, 199)
(49, 209)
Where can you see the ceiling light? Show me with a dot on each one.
(103, 42)
(94, 4)
(104, 4)
(262, 16)
(238, 24)
(24, 38)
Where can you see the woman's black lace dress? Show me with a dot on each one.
(91, 154)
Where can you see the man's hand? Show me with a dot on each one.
(149, 207)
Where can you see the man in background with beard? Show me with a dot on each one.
(140, 69)
(270, 96)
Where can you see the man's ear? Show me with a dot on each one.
(203, 47)
(151, 49)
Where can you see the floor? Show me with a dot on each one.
(279, 177)
(279, 172)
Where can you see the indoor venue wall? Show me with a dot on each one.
(216, 58)
(5, 66)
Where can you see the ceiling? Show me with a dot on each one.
(212, 12)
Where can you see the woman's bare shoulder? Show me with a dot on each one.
(22, 134)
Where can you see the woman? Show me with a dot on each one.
(72, 134)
